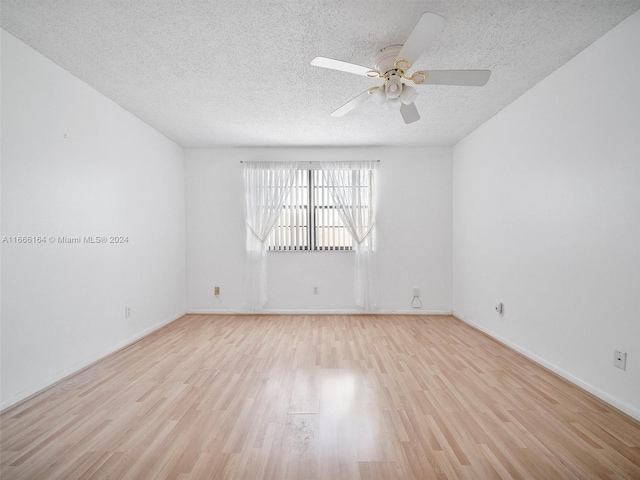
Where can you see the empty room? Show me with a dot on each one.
(320, 239)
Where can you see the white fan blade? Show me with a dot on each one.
(350, 105)
(423, 33)
(325, 62)
(409, 113)
(472, 78)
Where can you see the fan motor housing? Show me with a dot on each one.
(387, 57)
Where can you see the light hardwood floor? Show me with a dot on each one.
(309, 397)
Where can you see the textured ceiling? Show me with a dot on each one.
(231, 72)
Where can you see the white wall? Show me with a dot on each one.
(76, 164)
(546, 216)
(414, 234)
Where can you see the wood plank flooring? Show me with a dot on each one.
(317, 397)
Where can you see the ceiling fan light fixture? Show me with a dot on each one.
(393, 87)
(408, 95)
(392, 64)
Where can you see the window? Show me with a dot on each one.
(310, 219)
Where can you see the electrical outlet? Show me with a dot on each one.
(127, 312)
(620, 359)
(315, 290)
(216, 291)
(500, 308)
(416, 291)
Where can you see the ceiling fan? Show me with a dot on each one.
(392, 65)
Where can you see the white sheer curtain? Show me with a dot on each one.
(350, 186)
(267, 187)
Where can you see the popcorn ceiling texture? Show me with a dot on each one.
(221, 72)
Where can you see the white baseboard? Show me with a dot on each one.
(413, 311)
(628, 409)
(318, 312)
(76, 367)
